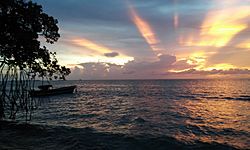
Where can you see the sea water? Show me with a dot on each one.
(187, 110)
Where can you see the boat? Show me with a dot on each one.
(47, 90)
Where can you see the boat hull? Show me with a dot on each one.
(57, 91)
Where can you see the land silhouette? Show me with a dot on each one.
(23, 59)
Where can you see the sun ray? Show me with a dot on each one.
(220, 26)
(91, 45)
(217, 30)
(146, 31)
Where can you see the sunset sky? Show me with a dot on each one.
(152, 39)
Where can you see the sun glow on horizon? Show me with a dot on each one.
(222, 66)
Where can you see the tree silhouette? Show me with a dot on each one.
(22, 58)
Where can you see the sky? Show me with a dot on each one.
(152, 39)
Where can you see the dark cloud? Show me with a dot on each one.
(112, 54)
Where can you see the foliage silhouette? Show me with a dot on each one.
(22, 58)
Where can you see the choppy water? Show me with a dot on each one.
(188, 110)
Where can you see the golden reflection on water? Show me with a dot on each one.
(222, 116)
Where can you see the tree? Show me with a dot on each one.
(22, 58)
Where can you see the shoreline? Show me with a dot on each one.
(14, 135)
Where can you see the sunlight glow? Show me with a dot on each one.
(178, 71)
(198, 59)
(219, 27)
(244, 44)
(223, 66)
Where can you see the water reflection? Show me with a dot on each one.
(190, 110)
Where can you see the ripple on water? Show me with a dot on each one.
(190, 110)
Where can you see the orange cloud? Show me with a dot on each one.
(145, 30)
(91, 45)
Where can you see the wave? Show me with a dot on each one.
(30, 136)
(242, 98)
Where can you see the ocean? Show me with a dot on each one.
(190, 111)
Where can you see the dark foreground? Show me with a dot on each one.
(25, 136)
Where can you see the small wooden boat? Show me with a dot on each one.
(47, 90)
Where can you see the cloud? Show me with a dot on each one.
(217, 72)
(112, 54)
(182, 65)
(160, 69)
(169, 27)
(76, 73)
(132, 70)
(147, 68)
(96, 70)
